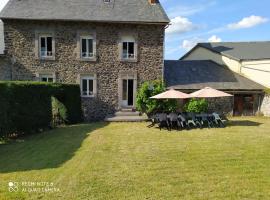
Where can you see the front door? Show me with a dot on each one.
(127, 92)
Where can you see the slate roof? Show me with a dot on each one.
(132, 11)
(240, 50)
(198, 74)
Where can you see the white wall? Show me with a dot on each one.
(258, 71)
(204, 54)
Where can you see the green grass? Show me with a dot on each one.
(130, 161)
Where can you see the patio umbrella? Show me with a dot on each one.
(209, 93)
(171, 94)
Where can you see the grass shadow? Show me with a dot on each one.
(46, 150)
(243, 123)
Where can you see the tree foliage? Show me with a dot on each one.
(149, 106)
(196, 106)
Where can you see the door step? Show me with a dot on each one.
(126, 115)
(126, 119)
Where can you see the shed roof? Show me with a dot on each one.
(198, 74)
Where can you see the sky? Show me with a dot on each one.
(194, 21)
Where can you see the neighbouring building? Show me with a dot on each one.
(192, 75)
(109, 47)
(248, 59)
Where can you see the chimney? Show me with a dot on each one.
(153, 1)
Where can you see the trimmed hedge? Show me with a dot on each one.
(26, 107)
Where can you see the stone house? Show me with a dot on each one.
(109, 47)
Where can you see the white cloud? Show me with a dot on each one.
(180, 25)
(214, 38)
(189, 44)
(248, 22)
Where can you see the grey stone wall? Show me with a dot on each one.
(265, 107)
(20, 45)
(222, 105)
(5, 68)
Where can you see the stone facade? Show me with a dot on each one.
(21, 47)
(265, 106)
(222, 105)
(5, 69)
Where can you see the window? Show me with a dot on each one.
(46, 78)
(107, 1)
(87, 47)
(87, 86)
(46, 46)
(128, 50)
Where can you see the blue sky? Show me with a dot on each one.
(195, 21)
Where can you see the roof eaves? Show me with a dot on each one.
(83, 20)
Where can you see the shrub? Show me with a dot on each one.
(149, 106)
(196, 106)
(267, 91)
(26, 107)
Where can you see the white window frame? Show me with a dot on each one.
(88, 78)
(128, 39)
(47, 76)
(46, 52)
(128, 56)
(89, 37)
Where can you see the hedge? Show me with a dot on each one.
(26, 107)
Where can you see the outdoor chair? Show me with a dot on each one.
(205, 120)
(193, 120)
(162, 120)
(154, 120)
(218, 121)
(173, 121)
(183, 121)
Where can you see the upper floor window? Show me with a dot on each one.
(46, 46)
(128, 48)
(87, 47)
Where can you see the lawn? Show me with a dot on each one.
(130, 161)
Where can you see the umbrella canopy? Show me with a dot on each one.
(171, 94)
(209, 93)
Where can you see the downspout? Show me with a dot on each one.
(163, 55)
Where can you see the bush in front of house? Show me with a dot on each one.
(26, 107)
(267, 91)
(149, 106)
(196, 106)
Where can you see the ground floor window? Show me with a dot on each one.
(88, 86)
(47, 78)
